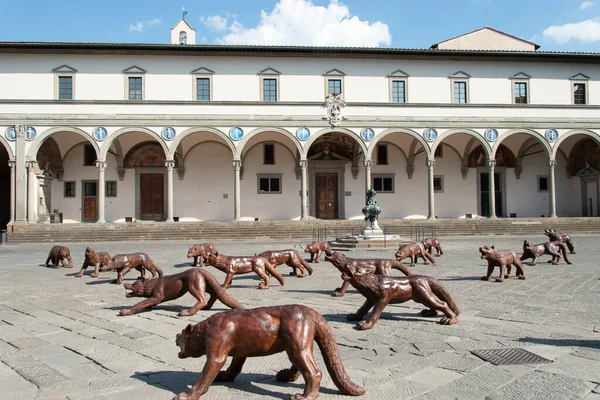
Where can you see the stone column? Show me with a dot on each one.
(237, 166)
(31, 197)
(170, 164)
(101, 191)
(430, 190)
(552, 189)
(303, 190)
(12, 165)
(20, 177)
(491, 189)
(368, 164)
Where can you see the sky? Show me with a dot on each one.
(556, 25)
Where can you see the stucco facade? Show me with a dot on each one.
(169, 154)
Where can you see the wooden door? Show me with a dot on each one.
(152, 196)
(90, 201)
(327, 195)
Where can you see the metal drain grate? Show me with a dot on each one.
(510, 356)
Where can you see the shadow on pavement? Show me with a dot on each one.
(594, 344)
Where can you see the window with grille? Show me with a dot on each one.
(203, 89)
(382, 154)
(383, 183)
(334, 86)
(135, 88)
(65, 87)
(460, 92)
(579, 93)
(520, 92)
(111, 189)
(269, 153)
(398, 91)
(269, 184)
(69, 189)
(270, 89)
(438, 184)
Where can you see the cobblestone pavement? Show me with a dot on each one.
(61, 337)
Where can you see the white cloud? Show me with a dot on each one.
(300, 22)
(215, 22)
(586, 31)
(141, 25)
(585, 5)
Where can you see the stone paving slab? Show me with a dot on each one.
(61, 336)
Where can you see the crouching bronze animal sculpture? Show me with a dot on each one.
(199, 252)
(236, 265)
(289, 328)
(503, 259)
(536, 250)
(413, 250)
(59, 255)
(290, 257)
(317, 248)
(554, 236)
(170, 287)
(97, 260)
(123, 263)
(377, 266)
(433, 243)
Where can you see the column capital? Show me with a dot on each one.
(304, 164)
(30, 165)
(170, 164)
(491, 163)
(430, 164)
(12, 164)
(101, 165)
(237, 165)
(552, 164)
(368, 163)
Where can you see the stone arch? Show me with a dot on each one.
(175, 145)
(530, 132)
(477, 157)
(145, 154)
(9, 150)
(585, 151)
(49, 157)
(258, 131)
(378, 138)
(573, 132)
(485, 145)
(322, 132)
(111, 138)
(183, 159)
(39, 140)
(244, 154)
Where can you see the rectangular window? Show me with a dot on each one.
(334, 86)
(460, 92)
(89, 155)
(270, 89)
(579, 93)
(383, 183)
(69, 189)
(398, 91)
(439, 151)
(203, 89)
(382, 154)
(520, 92)
(65, 88)
(438, 184)
(269, 153)
(269, 184)
(135, 88)
(111, 188)
(542, 183)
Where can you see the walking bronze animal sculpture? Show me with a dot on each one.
(554, 236)
(261, 332)
(123, 263)
(58, 255)
(377, 266)
(381, 290)
(290, 257)
(503, 259)
(199, 252)
(97, 260)
(433, 243)
(413, 250)
(536, 250)
(236, 265)
(170, 287)
(317, 248)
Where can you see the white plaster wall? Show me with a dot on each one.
(208, 176)
(270, 206)
(460, 195)
(522, 196)
(486, 39)
(117, 208)
(354, 203)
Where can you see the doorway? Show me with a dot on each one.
(484, 194)
(90, 201)
(5, 177)
(326, 192)
(152, 196)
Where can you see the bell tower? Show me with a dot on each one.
(183, 33)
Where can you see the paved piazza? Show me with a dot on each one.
(61, 337)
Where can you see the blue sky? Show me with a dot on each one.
(556, 25)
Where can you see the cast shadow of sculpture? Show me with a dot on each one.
(593, 344)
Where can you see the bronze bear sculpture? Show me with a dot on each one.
(433, 243)
(58, 255)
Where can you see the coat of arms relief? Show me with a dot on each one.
(334, 104)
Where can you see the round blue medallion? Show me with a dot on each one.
(430, 134)
(11, 133)
(367, 134)
(551, 135)
(491, 134)
(99, 134)
(30, 133)
(168, 133)
(236, 133)
(303, 133)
